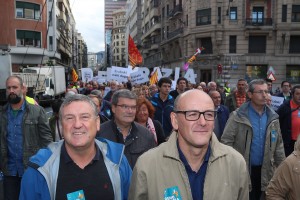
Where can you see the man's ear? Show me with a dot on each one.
(174, 120)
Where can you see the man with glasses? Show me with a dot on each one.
(123, 129)
(285, 91)
(254, 131)
(192, 164)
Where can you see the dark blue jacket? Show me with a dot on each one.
(39, 180)
(222, 115)
(163, 111)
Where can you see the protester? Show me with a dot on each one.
(113, 88)
(105, 112)
(54, 123)
(78, 167)
(192, 164)
(144, 116)
(122, 128)
(163, 103)
(222, 113)
(289, 118)
(285, 183)
(285, 91)
(153, 90)
(235, 99)
(181, 86)
(254, 131)
(24, 130)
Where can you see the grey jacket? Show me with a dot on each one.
(35, 130)
(160, 169)
(238, 133)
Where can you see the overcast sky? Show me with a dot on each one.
(89, 17)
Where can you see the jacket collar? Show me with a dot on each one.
(217, 149)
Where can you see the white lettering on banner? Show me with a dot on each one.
(141, 76)
(166, 72)
(119, 74)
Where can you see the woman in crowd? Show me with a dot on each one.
(144, 116)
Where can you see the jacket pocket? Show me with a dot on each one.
(31, 133)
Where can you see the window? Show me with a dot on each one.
(203, 17)
(284, 13)
(219, 15)
(258, 15)
(27, 10)
(207, 44)
(123, 43)
(50, 43)
(233, 13)
(163, 13)
(28, 38)
(255, 72)
(293, 73)
(232, 44)
(257, 44)
(186, 20)
(296, 13)
(294, 44)
(50, 18)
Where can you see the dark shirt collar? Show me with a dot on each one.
(67, 159)
(184, 160)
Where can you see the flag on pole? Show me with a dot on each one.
(134, 56)
(192, 59)
(154, 78)
(74, 75)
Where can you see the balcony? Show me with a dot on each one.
(259, 21)
(175, 33)
(176, 11)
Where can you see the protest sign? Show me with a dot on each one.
(119, 74)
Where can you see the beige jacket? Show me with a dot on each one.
(161, 168)
(285, 183)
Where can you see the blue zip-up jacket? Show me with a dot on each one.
(162, 113)
(39, 180)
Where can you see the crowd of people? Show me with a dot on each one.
(138, 142)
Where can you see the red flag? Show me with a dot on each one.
(134, 56)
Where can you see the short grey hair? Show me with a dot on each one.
(123, 93)
(254, 82)
(77, 98)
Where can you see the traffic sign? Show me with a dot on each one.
(271, 77)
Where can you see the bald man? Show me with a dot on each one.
(192, 164)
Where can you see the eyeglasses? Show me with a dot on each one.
(126, 107)
(193, 115)
(261, 92)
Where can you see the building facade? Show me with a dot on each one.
(24, 32)
(248, 38)
(110, 7)
(118, 38)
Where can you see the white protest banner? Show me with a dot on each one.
(86, 74)
(130, 70)
(276, 102)
(102, 75)
(119, 74)
(141, 76)
(173, 87)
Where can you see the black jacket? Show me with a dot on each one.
(285, 119)
(139, 141)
